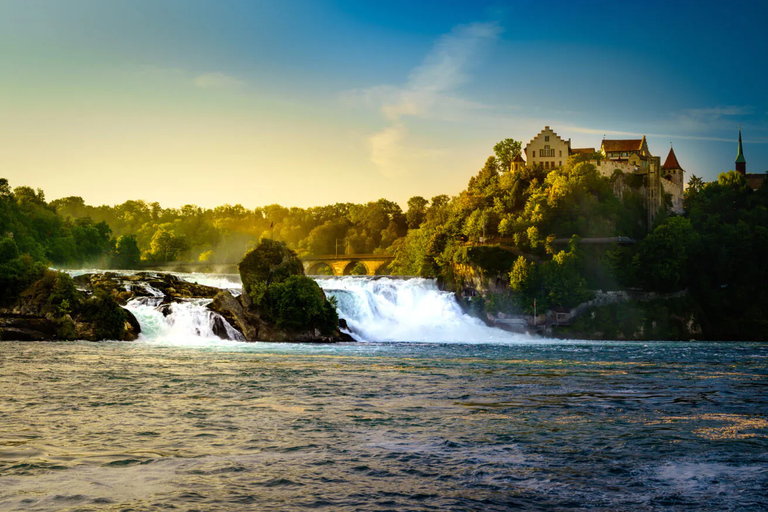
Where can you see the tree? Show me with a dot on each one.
(662, 258)
(506, 151)
(695, 184)
(417, 211)
(126, 253)
(167, 246)
(299, 303)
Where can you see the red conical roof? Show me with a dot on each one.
(671, 162)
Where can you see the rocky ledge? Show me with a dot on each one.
(52, 309)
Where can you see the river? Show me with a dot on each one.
(432, 411)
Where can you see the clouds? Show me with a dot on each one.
(431, 92)
(710, 118)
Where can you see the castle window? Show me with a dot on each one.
(541, 152)
(546, 138)
(561, 153)
(560, 163)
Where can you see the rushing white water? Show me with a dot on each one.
(389, 309)
(180, 322)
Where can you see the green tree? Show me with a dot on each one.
(661, 261)
(506, 151)
(126, 253)
(298, 303)
(417, 211)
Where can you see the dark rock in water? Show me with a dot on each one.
(238, 317)
(219, 327)
(145, 284)
(165, 309)
(345, 337)
(56, 307)
(18, 327)
(132, 327)
(253, 327)
(343, 324)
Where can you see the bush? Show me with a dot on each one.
(299, 303)
(270, 263)
(274, 278)
(106, 314)
(16, 271)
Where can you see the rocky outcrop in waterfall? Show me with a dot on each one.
(52, 308)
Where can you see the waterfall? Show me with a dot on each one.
(179, 322)
(376, 309)
(391, 309)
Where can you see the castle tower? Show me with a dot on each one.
(671, 170)
(741, 162)
(672, 181)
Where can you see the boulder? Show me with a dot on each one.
(244, 320)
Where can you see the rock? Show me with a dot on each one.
(56, 307)
(219, 328)
(127, 287)
(245, 321)
(345, 337)
(25, 327)
(132, 327)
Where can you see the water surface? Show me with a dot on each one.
(530, 424)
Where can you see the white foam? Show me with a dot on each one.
(386, 309)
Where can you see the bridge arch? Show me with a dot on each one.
(320, 268)
(350, 267)
(374, 264)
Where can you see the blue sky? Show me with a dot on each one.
(305, 102)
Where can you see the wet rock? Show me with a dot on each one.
(245, 321)
(132, 327)
(219, 327)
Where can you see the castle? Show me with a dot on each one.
(630, 156)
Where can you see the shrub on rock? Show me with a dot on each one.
(299, 303)
(270, 263)
(273, 277)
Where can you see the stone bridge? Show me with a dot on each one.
(342, 265)
(375, 264)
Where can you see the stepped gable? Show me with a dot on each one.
(546, 128)
(671, 161)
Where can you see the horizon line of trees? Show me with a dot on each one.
(503, 224)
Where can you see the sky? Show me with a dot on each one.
(313, 102)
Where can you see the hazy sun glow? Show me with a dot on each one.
(315, 102)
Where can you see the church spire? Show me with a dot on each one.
(741, 162)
